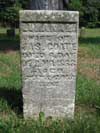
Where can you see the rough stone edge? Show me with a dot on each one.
(48, 16)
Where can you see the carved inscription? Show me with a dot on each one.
(51, 57)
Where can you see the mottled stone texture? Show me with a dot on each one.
(49, 43)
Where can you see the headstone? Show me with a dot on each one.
(49, 43)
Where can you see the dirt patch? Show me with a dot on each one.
(88, 66)
(84, 109)
(83, 52)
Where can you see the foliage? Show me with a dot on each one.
(7, 3)
(92, 12)
(10, 15)
(89, 11)
(25, 3)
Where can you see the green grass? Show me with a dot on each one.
(87, 112)
(82, 124)
(91, 33)
(88, 92)
(10, 76)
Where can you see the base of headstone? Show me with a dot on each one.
(49, 44)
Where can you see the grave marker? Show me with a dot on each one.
(49, 44)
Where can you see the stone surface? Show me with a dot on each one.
(49, 43)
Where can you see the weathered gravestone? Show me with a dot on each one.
(49, 43)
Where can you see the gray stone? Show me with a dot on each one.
(48, 4)
(49, 44)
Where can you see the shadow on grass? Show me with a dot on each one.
(9, 43)
(13, 98)
(90, 40)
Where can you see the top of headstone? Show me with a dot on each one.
(48, 15)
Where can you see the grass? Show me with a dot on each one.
(10, 76)
(87, 111)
